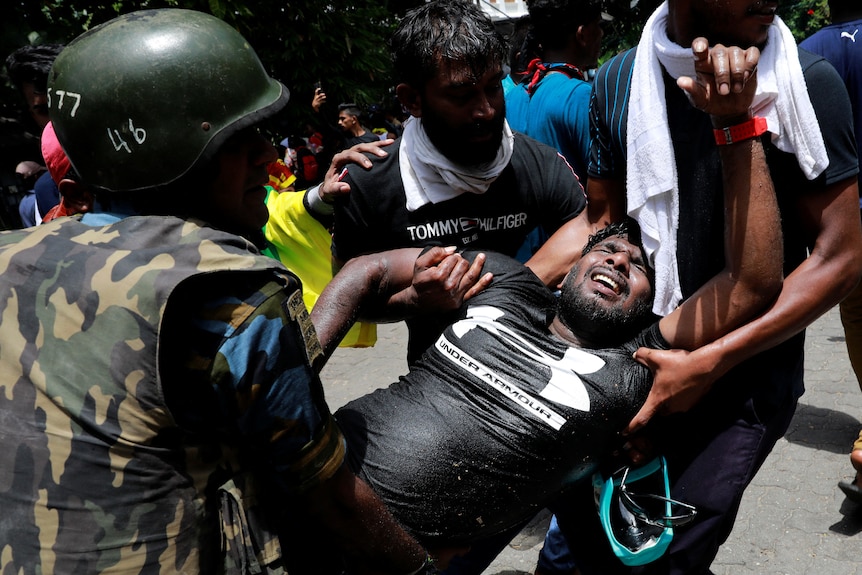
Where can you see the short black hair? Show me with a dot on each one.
(627, 228)
(441, 31)
(351, 109)
(517, 44)
(31, 64)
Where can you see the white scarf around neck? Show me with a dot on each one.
(431, 177)
(651, 178)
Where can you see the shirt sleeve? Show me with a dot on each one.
(834, 114)
(560, 196)
(245, 373)
(608, 116)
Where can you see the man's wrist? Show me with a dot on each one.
(316, 204)
(721, 122)
(739, 132)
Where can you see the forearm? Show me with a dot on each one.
(753, 238)
(362, 285)
(816, 286)
(753, 247)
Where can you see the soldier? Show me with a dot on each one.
(156, 369)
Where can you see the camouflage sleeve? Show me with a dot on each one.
(253, 353)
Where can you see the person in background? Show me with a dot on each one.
(551, 104)
(28, 69)
(552, 101)
(74, 198)
(350, 122)
(520, 53)
(28, 172)
(838, 44)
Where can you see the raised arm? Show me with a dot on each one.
(752, 275)
(753, 243)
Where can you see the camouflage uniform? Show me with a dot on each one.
(117, 433)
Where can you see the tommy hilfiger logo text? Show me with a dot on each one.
(460, 225)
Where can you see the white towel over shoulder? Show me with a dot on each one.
(651, 178)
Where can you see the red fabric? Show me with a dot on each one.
(55, 158)
(537, 69)
(57, 211)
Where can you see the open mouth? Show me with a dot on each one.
(606, 281)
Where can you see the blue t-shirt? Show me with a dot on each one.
(557, 114)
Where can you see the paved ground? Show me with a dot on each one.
(793, 519)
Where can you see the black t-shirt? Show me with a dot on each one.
(537, 188)
(366, 138)
(700, 245)
(496, 418)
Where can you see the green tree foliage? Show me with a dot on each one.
(804, 17)
(341, 43)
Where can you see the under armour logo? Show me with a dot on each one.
(849, 35)
(564, 385)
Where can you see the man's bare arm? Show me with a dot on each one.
(818, 284)
(392, 285)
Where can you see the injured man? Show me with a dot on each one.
(525, 391)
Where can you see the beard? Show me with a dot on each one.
(604, 326)
(456, 142)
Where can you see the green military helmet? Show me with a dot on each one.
(138, 101)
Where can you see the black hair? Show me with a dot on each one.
(627, 228)
(351, 109)
(32, 64)
(554, 20)
(444, 31)
(518, 61)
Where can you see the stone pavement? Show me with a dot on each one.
(793, 519)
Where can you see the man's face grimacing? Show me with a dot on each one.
(237, 194)
(606, 297)
(463, 112)
(742, 23)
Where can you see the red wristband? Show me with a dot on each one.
(740, 132)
